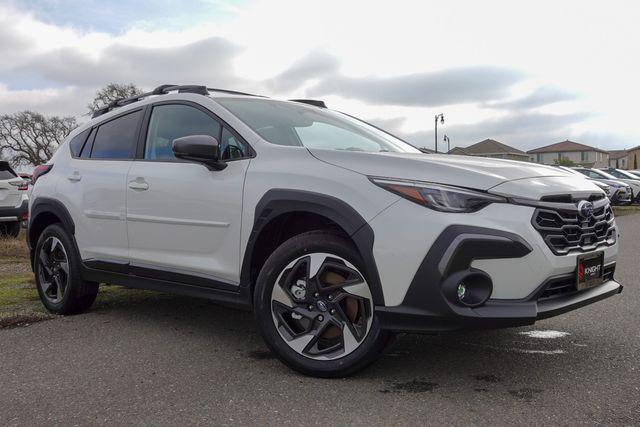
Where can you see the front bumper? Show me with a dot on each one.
(530, 282)
(493, 314)
(620, 197)
(13, 213)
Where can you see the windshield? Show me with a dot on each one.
(604, 174)
(622, 174)
(288, 123)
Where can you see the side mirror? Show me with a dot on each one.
(199, 148)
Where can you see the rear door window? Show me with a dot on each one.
(117, 138)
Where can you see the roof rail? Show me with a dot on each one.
(233, 92)
(314, 102)
(160, 90)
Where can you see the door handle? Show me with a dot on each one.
(75, 176)
(138, 185)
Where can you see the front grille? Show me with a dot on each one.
(565, 231)
(567, 285)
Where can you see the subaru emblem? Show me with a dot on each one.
(585, 208)
(322, 306)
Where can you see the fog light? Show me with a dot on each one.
(462, 290)
(469, 288)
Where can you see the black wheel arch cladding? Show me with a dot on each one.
(47, 206)
(276, 202)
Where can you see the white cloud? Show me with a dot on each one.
(567, 69)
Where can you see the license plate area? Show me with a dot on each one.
(590, 270)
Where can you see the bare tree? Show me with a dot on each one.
(30, 138)
(112, 92)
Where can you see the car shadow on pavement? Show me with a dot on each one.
(475, 361)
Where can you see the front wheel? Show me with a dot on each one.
(314, 306)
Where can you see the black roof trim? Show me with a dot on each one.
(314, 102)
(160, 90)
(234, 92)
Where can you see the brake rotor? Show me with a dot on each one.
(350, 305)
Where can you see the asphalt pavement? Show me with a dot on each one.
(173, 360)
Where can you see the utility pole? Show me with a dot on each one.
(448, 141)
(441, 117)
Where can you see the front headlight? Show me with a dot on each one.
(442, 198)
(603, 186)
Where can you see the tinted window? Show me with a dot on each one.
(116, 139)
(75, 145)
(6, 172)
(231, 147)
(86, 149)
(169, 122)
(592, 174)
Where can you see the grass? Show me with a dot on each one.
(19, 301)
(626, 210)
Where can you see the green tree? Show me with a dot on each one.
(564, 161)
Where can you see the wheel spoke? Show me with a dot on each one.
(300, 343)
(359, 289)
(316, 334)
(44, 262)
(315, 262)
(64, 266)
(54, 244)
(349, 341)
(334, 276)
(60, 287)
(279, 295)
(45, 287)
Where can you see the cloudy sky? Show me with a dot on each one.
(525, 74)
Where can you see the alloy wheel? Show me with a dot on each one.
(53, 270)
(322, 306)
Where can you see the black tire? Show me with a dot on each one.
(371, 346)
(79, 294)
(10, 229)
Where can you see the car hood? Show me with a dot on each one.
(472, 172)
(612, 182)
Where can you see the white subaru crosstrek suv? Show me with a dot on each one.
(334, 232)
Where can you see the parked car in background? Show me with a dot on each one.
(628, 178)
(635, 172)
(609, 190)
(13, 201)
(622, 192)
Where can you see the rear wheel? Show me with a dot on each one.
(57, 271)
(10, 229)
(314, 307)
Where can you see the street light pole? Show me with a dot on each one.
(441, 117)
(448, 141)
